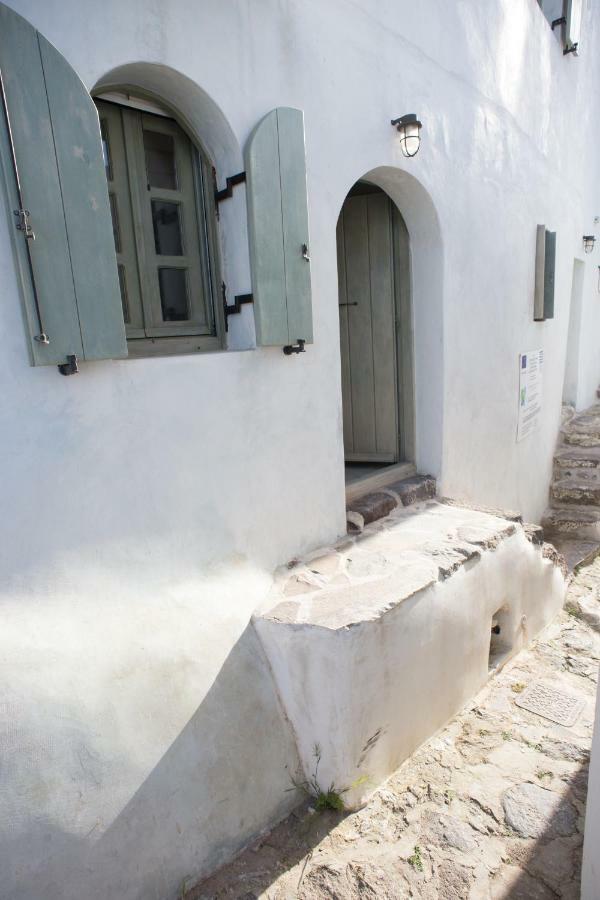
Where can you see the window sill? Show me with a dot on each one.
(173, 346)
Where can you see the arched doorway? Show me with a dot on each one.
(376, 335)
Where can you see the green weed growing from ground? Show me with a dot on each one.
(416, 860)
(331, 798)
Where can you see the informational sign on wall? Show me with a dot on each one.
(531, 365)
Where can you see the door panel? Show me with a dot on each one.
(344, 338)
(383, 319)
(360, 338)
(367, 329)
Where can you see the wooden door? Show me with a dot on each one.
(367, 309)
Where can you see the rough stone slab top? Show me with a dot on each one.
(363, 576)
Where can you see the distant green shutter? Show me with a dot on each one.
(56, 139)
(545, 267)
(549, 274)
(278, 229)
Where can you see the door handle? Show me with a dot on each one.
(305, 252)
(349, 304)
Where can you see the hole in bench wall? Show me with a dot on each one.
(501, 638)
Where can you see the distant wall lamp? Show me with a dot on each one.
(588, 242)
(409, 129)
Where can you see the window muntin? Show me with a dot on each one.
(157, 188)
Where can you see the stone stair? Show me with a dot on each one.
(367, 508)
(572, 522)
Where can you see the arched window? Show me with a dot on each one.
(162, 206)
(143, 186)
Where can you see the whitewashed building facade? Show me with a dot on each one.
(149, 496)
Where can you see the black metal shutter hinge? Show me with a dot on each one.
(236, 307)
(232, 180)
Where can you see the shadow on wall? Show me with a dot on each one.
(227, 775)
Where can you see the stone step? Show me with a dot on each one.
(576, 522)
(566, 414)
(583, 430)
(577, 553)
(577, 459)
(581, 438)
(363, 510)
(575, 492)
(582, 476)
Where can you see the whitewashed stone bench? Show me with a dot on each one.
(376, 642)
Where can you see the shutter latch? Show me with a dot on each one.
(295, 348)
(70, 367)
(23, 223)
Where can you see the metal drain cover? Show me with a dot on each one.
(546, 701)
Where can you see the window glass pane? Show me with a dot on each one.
(106, 149)
(160, 160)
(124, 298)
(114, 214)
(167, 228)
(173, 294)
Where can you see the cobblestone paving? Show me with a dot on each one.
(492, 807)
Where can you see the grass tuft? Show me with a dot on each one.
(416, 860)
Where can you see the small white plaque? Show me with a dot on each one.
(531, 366)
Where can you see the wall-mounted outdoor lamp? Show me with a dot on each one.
(409, 128)
(588, 242)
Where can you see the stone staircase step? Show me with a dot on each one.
(575, 492)
(567, 413)
(590, 477)
(582, 438)
(577, 458)
(583, 430)
(368, 508)
(576, 522)
(577, 553)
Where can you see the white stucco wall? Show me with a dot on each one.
(128, 486)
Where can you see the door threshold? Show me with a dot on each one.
(373, 481)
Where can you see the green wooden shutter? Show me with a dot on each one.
(549, 273)
(545, 265)
(55, 133)
(573, 26)
(278, 229)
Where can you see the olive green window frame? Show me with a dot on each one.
(131, 197)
